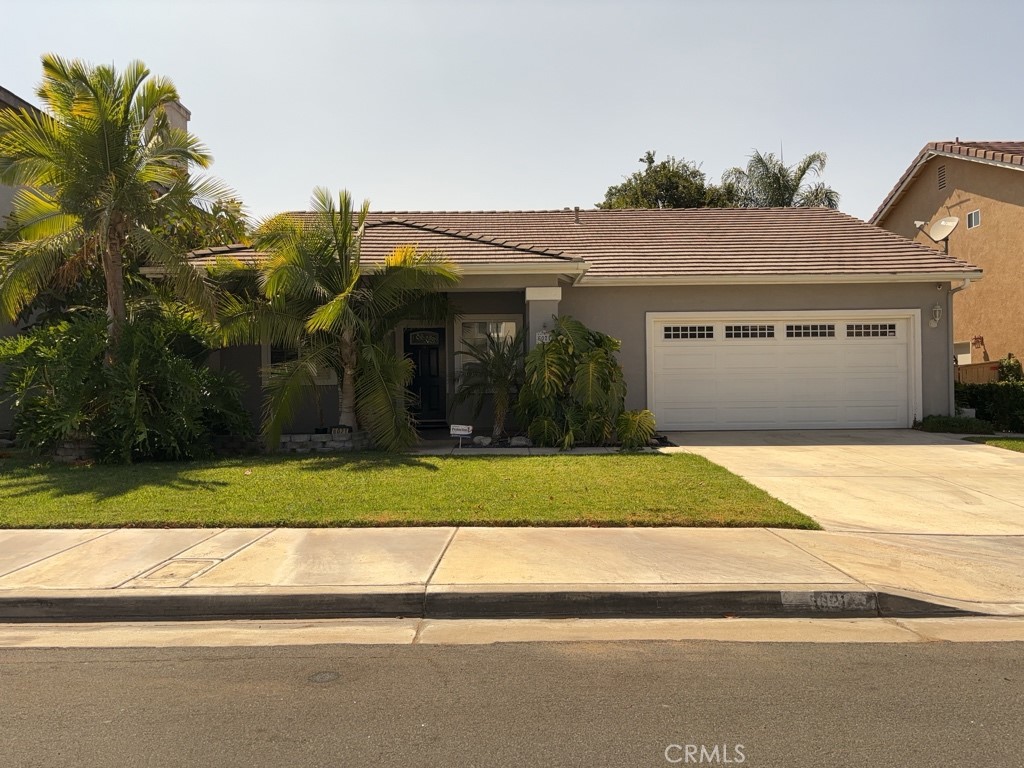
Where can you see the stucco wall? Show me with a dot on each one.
(621, 312)
(988, 308)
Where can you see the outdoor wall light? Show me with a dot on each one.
(936, 316)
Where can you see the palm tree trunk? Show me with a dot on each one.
(347, 391)
(113, 276)
(500, 413)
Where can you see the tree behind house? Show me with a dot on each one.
(767, 182)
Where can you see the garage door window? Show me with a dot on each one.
(870, 330)
(811, 331)
(689, 332)
(750, 331)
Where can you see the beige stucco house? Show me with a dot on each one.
(728, 318)
(982, 184)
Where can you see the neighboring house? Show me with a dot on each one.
(729, 318)
(982, 184)
(8, 101)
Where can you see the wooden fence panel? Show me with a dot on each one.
(977, 373)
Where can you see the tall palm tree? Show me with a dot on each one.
(320, 301)
(100, 171)
(767, 182)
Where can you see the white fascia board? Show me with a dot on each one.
(565, 268)
(902, 277)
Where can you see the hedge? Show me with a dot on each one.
(1001, 403)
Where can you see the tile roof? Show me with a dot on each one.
(665, 245)
(13, 101)
(1007, 152)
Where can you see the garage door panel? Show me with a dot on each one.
(687, 359)
(803, 382)
(875, 356)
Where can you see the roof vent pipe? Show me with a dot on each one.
(577, 214)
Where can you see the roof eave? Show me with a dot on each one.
(777, 279)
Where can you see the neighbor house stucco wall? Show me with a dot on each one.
(988, 308)
(622, 312)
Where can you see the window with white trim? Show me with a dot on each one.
(689, 331)
(750, 331)
(811, 331)
(475, 328)
(870, 330)
(974, 219)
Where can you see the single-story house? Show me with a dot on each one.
(729, 318)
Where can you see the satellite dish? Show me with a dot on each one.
(943, 228)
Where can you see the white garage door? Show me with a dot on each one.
(782, 370)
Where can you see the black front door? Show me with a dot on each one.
(425, 347)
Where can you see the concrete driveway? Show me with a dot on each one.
(884, 481)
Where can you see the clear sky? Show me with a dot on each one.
(522, 105)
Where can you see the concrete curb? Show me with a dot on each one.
(455, 603)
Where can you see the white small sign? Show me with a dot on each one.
(543, 337)
(461, 430)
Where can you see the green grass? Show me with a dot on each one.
(375, 489)
(1009, 444)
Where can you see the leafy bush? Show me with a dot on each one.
(1010, 369)
(960, 425)
(635, 429)
(1001, 403)
(157, 401)
(574, 388)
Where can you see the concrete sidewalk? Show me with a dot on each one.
(147, 574)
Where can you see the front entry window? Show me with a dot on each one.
(473, 329)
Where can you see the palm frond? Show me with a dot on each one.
(289, 382)
(383, 399)
(26, 267)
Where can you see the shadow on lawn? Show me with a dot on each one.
(363, 462)
(23, 476)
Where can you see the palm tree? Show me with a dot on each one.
(495, 368)
(320, 301)
(100, 172)
(768, 183)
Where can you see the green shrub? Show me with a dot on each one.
(573, 391)
(158, 401)
(1001, 403)
(635, 429)
(960, 425)
(1010, 369)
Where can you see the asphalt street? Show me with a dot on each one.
(527, 704)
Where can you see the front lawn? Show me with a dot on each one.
(1009, 444)
(375, 489)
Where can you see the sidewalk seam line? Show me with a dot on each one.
(826, 562)
(222, 560)
(166, 559)
(437, 564)
(59, 552)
